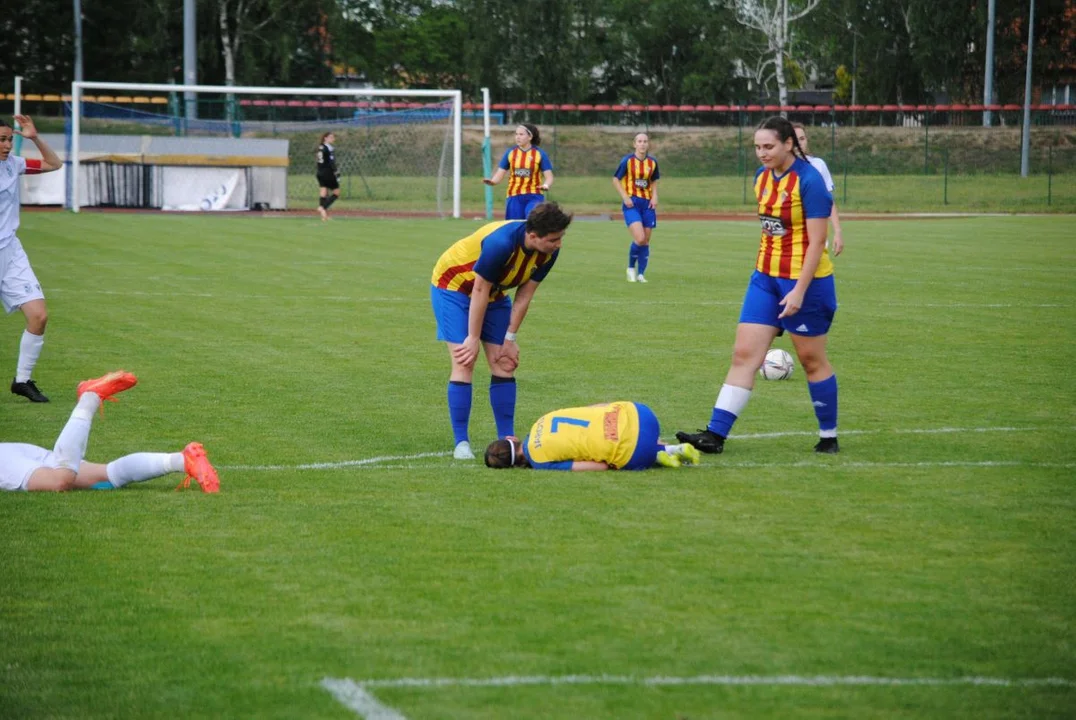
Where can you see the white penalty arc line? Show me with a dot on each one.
(404, 462)
(356, 696)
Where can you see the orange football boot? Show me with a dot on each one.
(108, 385)
(199, 468)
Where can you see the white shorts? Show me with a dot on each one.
(18, 462)
(18, 284)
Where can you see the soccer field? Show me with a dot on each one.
(350, 568)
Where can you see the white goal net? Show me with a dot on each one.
(204, 147)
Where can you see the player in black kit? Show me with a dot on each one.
(328, 175)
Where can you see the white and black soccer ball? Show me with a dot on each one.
(778, 365)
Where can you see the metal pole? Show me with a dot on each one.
(17, 149)
(487, 152)
(78, 40)
(190, 57)
(988, 81)
(457, 151)
(1025, 143)
(76, 144)
(855, 72)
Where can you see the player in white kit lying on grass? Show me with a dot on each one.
(29, 467)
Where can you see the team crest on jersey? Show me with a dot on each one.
(522, 172)
(782, 197)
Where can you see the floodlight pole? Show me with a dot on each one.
(1025, 143)
(17, 149)
(78, 40)
(190, 58)
(988, 80)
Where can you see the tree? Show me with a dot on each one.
(772, 18)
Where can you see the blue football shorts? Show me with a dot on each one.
(640, 212)
(764, 292)
(518, 207)
(451, 309)
(646, 446)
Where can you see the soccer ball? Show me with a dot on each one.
(778, 365)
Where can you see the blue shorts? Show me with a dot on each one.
(764, 292)
(646, 446)
(640, 212)
(518, 207)
(451, 310)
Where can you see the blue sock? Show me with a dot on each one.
(824, 399)
(644, 258)
(633, 255)
(459, 408)
(721, 422)
(502, 398)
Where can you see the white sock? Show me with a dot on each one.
(139, 467)
(732, 399)
(70, 447)
(29, 351)
(674, 449)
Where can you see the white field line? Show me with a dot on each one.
(355, 695)
(407, 300)
(661, 680)
(382, 462)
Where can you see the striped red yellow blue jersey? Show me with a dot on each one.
(785, 202)
(524, 168)
(497, 253)
(605, 433)
(638, 176)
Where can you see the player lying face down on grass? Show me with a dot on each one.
(619, 435)
(473, 309)
(29, 467)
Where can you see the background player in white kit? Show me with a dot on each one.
(19, 288)
(29, 467)
(823, 169)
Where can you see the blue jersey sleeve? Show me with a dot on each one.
(544, 163)
(657, 173)
(540, 273)
(497, 248)
(503, 164)
(622, 168)
(817, 201)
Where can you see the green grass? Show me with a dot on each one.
(287, 342)
(853, 194)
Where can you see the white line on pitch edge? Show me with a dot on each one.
(355, 695)
(805, 680)
(379, 463)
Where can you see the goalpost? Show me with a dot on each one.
(397, 150)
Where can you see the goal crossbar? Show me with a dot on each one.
(77, 88)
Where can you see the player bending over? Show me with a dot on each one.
(619, 435)
(28, 467)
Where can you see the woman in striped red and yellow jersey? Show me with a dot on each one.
(468, 292)
(636, 179)
(790, 291)
(530, 173)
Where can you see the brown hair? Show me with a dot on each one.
(536, 137)
(547, 218)
(325, 135)
(499, 455)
